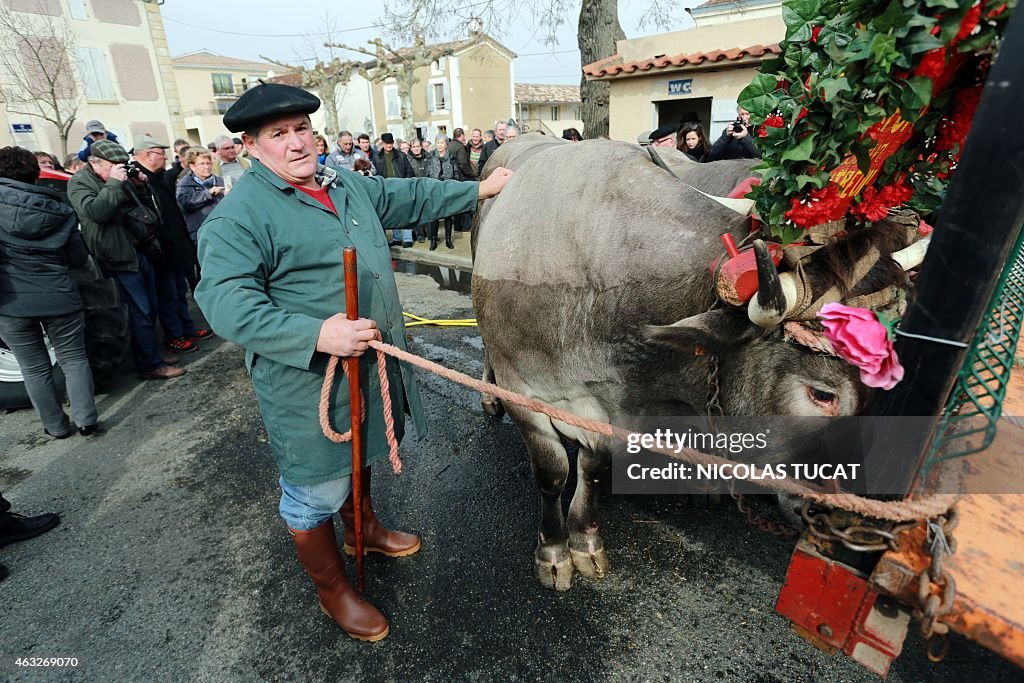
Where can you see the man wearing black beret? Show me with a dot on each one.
(271, 255)
(665, 136)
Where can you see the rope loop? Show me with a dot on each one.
(385, 395)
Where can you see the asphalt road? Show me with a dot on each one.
(172, 564)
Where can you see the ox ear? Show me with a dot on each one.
(710, 331)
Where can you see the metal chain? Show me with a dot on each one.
(862, 537)
(939, 544)
(769, 526)
(714, 407)
(714, 389)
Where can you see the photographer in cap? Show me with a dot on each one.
(737, 140)
(273, 283)
(118, 229)
(177, 257)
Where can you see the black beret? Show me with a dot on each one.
(267, 102)
(657, 134)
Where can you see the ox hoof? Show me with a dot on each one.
(492, 406)
(555, 574)
(592, 564)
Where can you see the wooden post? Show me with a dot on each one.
(355, 401)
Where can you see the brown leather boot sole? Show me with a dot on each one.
(366, 639)
(350, 550)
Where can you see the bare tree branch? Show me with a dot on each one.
(597, 31)
(36, 57)
(400, 64)
(328, 72)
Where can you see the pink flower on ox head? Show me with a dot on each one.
(860, 339)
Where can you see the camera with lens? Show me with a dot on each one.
(132, 169)
(737, 126)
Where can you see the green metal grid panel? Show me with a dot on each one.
(968, 423)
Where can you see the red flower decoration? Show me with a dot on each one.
(874, 204)
(814, 33)
(996, 11)
(932, 64)
(773, 121)
(953, 130)
(968, 24)
(820, 206)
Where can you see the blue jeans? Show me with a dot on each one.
(404, 235)
(139, 292)
(307, 507)
(171, 292)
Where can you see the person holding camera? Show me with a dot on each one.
(178, 254)
(737, 140)
(118, 230)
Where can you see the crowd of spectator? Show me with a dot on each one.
(138, 214)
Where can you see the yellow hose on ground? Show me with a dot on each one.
(417, 320)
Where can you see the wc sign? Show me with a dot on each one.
(681, 87)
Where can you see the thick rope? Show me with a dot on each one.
(385, 395)
(895, 511)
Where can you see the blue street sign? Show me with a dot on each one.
(681, 87)
(21, 127)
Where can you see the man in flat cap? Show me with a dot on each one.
(273, 282)
(178, 254)
(99, 193)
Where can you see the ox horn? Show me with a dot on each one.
(912, 256)
(776, 295)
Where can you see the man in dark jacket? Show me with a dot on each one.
(98, 194)
(499, 138)
(737, 140)
(391, 163)
(39, 238)
(461, 155)
(179, 255)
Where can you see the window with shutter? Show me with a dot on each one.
(92, 67)
(77, 8)
(392, 107)
(447, 96)
(431, 102)
(223, 84)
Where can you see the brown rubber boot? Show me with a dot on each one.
(376, 538)
(318, 553)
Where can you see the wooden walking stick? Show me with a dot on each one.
(355, 401)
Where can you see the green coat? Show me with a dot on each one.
(98, 205)
(272, 273)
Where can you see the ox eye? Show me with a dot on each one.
(822, 397)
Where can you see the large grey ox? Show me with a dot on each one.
(592, 292)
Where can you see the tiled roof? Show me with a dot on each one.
(539, 93)
(711, 3)
(207, 58)
(293, 79)
(613, 66)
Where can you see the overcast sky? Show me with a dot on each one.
(247, 29)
